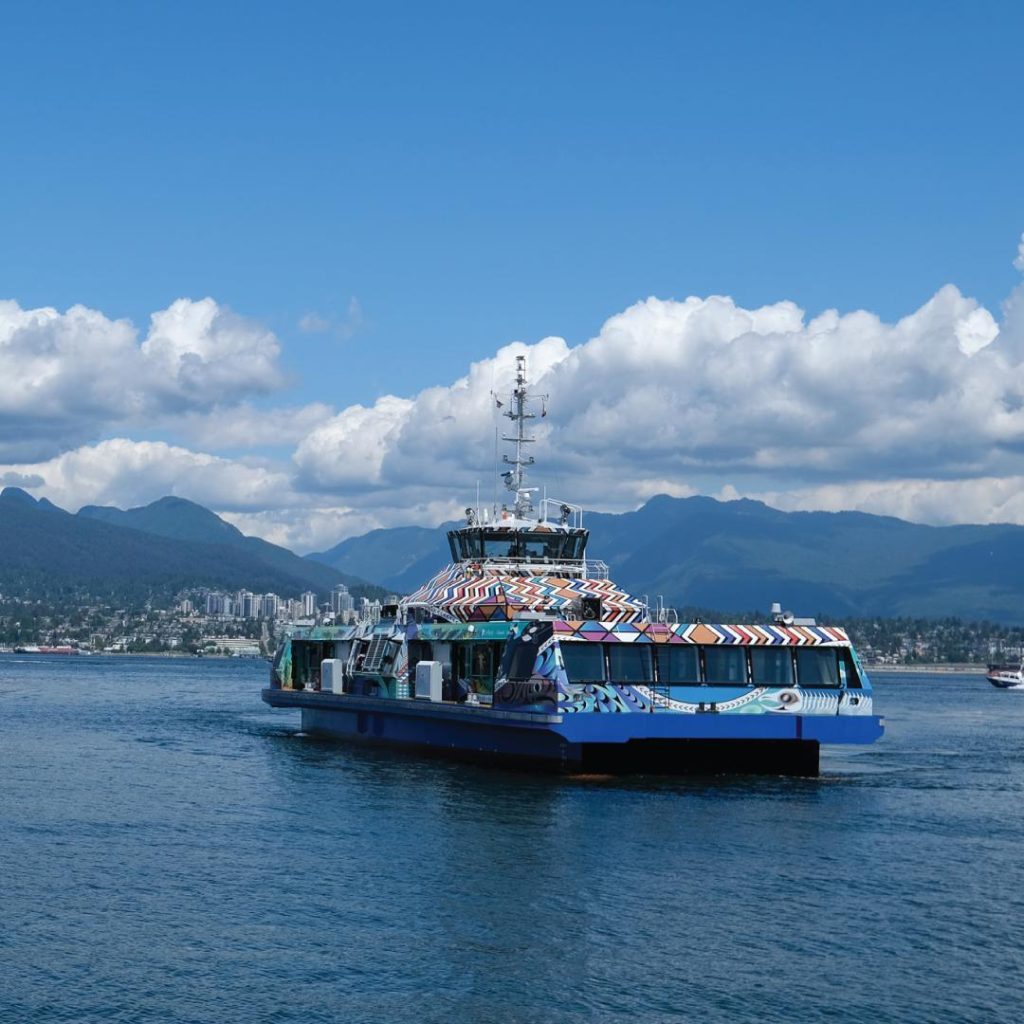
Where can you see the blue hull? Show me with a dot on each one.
(663, 743)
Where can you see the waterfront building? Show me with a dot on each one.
(369, 610)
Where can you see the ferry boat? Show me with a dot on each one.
(1006, 677)
(523, 649)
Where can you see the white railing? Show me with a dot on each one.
(587, 568)
(555, 510)
(661, 612)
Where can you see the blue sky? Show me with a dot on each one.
(436, 181)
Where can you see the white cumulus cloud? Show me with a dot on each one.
(128, 473)
(922, 417)
(984, 499)
(245, 426)
(66, 378)
(695, 395)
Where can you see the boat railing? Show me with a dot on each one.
(409, 609)
(660, 612)
(586, 568)
(658, 692)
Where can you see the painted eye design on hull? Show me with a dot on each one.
(789, 700)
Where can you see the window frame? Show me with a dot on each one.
(819, 651)
(670, 648)
(630, 647)
(742, 649)
(771, 648)
(568, 644)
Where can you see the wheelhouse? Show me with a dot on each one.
(542, 546)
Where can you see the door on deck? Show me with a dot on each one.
(477, 665)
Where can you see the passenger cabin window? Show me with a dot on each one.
(584, 662)
(630, 663)
(817, 666)
(678, 664)
(771, 666)
(848, 668)
(521, 667)
(725, 665)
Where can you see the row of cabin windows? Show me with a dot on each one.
(535, 547)
(693, 665)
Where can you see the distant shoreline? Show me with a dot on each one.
(138, 654)
(969, 667)
(879, 667)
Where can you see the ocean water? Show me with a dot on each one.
(172, 850)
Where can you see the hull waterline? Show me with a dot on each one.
(654, 743)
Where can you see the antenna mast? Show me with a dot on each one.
(519, 413)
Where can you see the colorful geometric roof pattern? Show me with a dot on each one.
(483, 596)
(702, 633)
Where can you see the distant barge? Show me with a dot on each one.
(523, 650)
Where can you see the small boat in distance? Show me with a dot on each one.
(44, 649)
(1006, 677)
(523, 649)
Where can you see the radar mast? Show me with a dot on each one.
(518, 412)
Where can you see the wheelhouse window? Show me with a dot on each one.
(584, 662)
(466, 545)
(537, 547)
(500, 546)
(678, 663)
(631, 663)
(551, 546)
(771, 666)
(817, 666)
(725, 665)
(569, 546)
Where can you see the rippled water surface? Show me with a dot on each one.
(172, 850)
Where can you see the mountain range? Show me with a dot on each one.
(692, 552)
(699, 552)
(167, 546)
